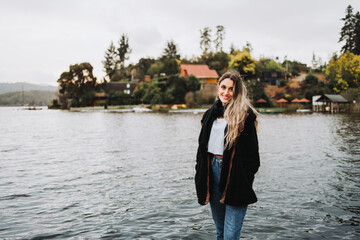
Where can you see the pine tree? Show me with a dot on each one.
(123, 50)
(170, 51)
(110, 60)
(357, 34)
(348, 31)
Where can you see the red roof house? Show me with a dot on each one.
(201, 71)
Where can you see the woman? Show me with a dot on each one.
(228, 157)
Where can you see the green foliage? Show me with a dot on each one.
(119, 98)
(144, 64)
(170, 92)
(220, 32)
(119, 76)
(170, 51)
(357, 34)
(86, 99)
(171, 66)
(152, 93)
(256, 91)
(123, 50)
(343, 72)
(311, 79)
(318, 89)
(156, 68)
(282, 82)
(77, 83)
(192, 83)
(350, 32)
(242, 62)
(218, 61)
(352, 94)
(267, 65)
(205, 40)
(110, 60)
(115, 57)
(178, 88)
(294, 67)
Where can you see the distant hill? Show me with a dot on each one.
(17, 87)
(35, 97)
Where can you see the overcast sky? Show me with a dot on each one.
(39, 39)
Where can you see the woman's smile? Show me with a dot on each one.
(226, 90)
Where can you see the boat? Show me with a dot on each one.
(304, 110)
(141, 109)
(32, 108)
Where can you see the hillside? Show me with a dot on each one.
(23, 86)
(37, 98)
(293, 85)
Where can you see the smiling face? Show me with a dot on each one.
(226, 90)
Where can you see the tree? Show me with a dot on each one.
(357, 34)
(242, 62)
(79, 84)
(205, 42)
(220, 32)
(267, 65)
(218, 61)
(311, 79)
(149, 93)
(171, 66)
(114, 63)
(256, 91)
(123, 51)
(170, 51)
(348, 31)
(192, 83)
(343, 72)
(144, 64)
(294, 67)
(110, 60)
(156, 68)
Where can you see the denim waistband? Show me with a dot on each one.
(215, 158)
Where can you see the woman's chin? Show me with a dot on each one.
(224, 101)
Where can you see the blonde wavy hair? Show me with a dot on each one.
(236, 109)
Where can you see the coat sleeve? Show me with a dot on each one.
(252, 160)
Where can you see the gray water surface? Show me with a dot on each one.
(99, 175)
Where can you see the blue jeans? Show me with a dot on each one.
(228, 219)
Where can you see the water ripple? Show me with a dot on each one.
(130, 176)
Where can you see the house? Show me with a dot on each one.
(330, 103)
(271, 77)
(123, 87)
(200, 71)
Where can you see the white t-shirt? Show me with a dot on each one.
(216, 140)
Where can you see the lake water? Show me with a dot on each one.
(99, 175)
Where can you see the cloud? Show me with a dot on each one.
(40, 39)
